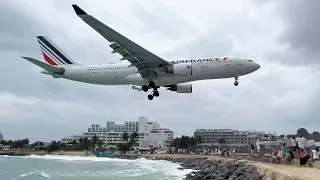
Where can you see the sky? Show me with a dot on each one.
(282, 36)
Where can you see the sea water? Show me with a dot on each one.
(87, 168)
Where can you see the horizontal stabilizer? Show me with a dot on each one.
(45, 66)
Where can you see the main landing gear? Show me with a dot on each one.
(236, 83)
(154, 93)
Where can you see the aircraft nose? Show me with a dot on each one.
(257, 66)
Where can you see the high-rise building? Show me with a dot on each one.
(160, 138)
(112, 133)
(1, 137)
(230, 136)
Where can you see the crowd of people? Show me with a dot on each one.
(297, 149)
(223, 151)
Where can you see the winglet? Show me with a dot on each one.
(78, 10)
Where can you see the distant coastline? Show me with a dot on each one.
(22, 153)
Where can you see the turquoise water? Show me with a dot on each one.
(86, 168)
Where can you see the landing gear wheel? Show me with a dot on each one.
(145, 88)
(156, 93)
(152, 84)
(150, 97)
(236, 83)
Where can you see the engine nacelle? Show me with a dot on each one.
(183, 69)
(181, 88)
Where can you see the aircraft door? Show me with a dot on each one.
(238, 66)
(84, 71)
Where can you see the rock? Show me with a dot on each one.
(216, 169)
(208, 176)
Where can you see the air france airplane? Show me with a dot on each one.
(144, 71)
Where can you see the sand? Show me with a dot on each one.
(71, 153)
(272, 171)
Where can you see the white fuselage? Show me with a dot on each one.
(122, 74)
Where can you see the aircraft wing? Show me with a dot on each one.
(145, 61)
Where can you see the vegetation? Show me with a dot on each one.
(129, 141)
(221, 141)
(17, 144)
(186, 142)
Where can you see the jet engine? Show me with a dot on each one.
(183, 69)
(181, 88)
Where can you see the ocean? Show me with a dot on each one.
(87, 168)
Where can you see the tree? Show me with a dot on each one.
(134, 137)
(315, 134)
(99, 143)
(84, 144)
(185, 142)
(303, 132)
(198, 139)
(125, 136)
(123, 147)
(221, 141)
(53, 146)
(95, 139)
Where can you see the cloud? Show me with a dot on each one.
(283, 95)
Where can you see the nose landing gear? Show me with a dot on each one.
(236, 83)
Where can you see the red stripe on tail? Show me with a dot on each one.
(48, 59)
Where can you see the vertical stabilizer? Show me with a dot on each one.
(52, 54)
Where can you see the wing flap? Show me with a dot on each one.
(45, 66)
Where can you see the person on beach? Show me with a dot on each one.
(289, 156)
(258, 145)
(302, 141)
(252, 150)
(294, 146)
(305, 158)
(315, 154)
(275, 156)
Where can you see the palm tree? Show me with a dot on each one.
(198, 139)
(221, 141)
(99, 143)
(134, 137)
(125, 136)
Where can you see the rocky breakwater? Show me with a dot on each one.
(217, 169)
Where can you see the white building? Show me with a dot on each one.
(112, 133)
(159, 138)
(232, 137)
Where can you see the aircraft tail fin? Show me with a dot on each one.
(45, 66)
(52, 54)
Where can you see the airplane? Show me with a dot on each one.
(143, 70)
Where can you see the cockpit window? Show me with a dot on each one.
(250, 60)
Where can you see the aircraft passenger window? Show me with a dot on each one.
(250, 60)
